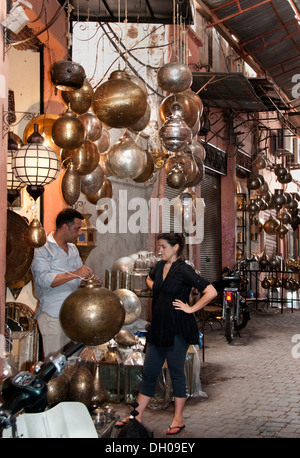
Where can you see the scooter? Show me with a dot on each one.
(27, 392)
(235, 313)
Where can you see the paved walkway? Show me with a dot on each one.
(252, 385)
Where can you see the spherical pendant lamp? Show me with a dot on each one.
(35, 164)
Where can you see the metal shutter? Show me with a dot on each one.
(211, 248)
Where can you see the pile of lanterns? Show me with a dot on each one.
(121, 102)
(285, 203)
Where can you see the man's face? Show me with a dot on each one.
(74, 230)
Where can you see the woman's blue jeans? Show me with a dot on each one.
(154, 360)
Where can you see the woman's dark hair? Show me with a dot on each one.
(172, 238)
(67, 216)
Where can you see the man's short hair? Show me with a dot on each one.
(67, 216)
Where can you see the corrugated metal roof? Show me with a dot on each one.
(140, 11)
(233, 90)
(268, 31)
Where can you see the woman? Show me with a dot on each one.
(173, 327)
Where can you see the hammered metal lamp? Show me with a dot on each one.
(35, 164)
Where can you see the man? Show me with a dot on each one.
(57, 271)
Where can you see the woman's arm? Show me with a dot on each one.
(149, 282)
(208, 294)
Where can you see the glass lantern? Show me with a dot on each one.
(112, 372)
(133, 373)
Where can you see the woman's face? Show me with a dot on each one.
(167, 251)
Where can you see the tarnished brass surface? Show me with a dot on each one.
(35, 235)
(104, 141)
(67, 75)
(19, 254)
(142, 123)
(175, 133)
(104, 191)
(81, 386)
(190, 109)
(86, 158)
(126, 159)
(70, 185)
(174, 77)
(131, 303)
(119, 102)
(92, 182)
(148, 170)
(92, 315)
(45, 123)
(79, 100)
(58, 390)
(92, 125)
(125, 338)
(68, 131)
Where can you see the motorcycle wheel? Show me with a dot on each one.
(229, 325)
(243, 320)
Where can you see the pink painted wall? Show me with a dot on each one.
(55, 49)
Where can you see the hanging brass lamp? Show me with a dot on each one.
(67, 75)
(92, 125)
(174, 77)
(175, 134)
(86, 157)
(71, 184)
(35, 235)
(68, 131)
(92, 182)
(79, 100)
(190, 109)
(126, 159)
(119, 102)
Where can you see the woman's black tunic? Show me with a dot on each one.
(166, 320)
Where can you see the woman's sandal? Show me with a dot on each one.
(121, 423)
(180, 428)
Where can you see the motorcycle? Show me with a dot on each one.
(235, 313)
(27, 392)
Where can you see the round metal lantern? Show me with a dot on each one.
(174, 77)
(79, 100)
(86, 157)
(119, 102)
(92, 182)
(67, 75)
(92, 315)
(126, 159)
(68, 131)
(92, 125)
(132, 304)
(175, 134)
(190, 109)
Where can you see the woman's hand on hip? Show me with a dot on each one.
(179, 305)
